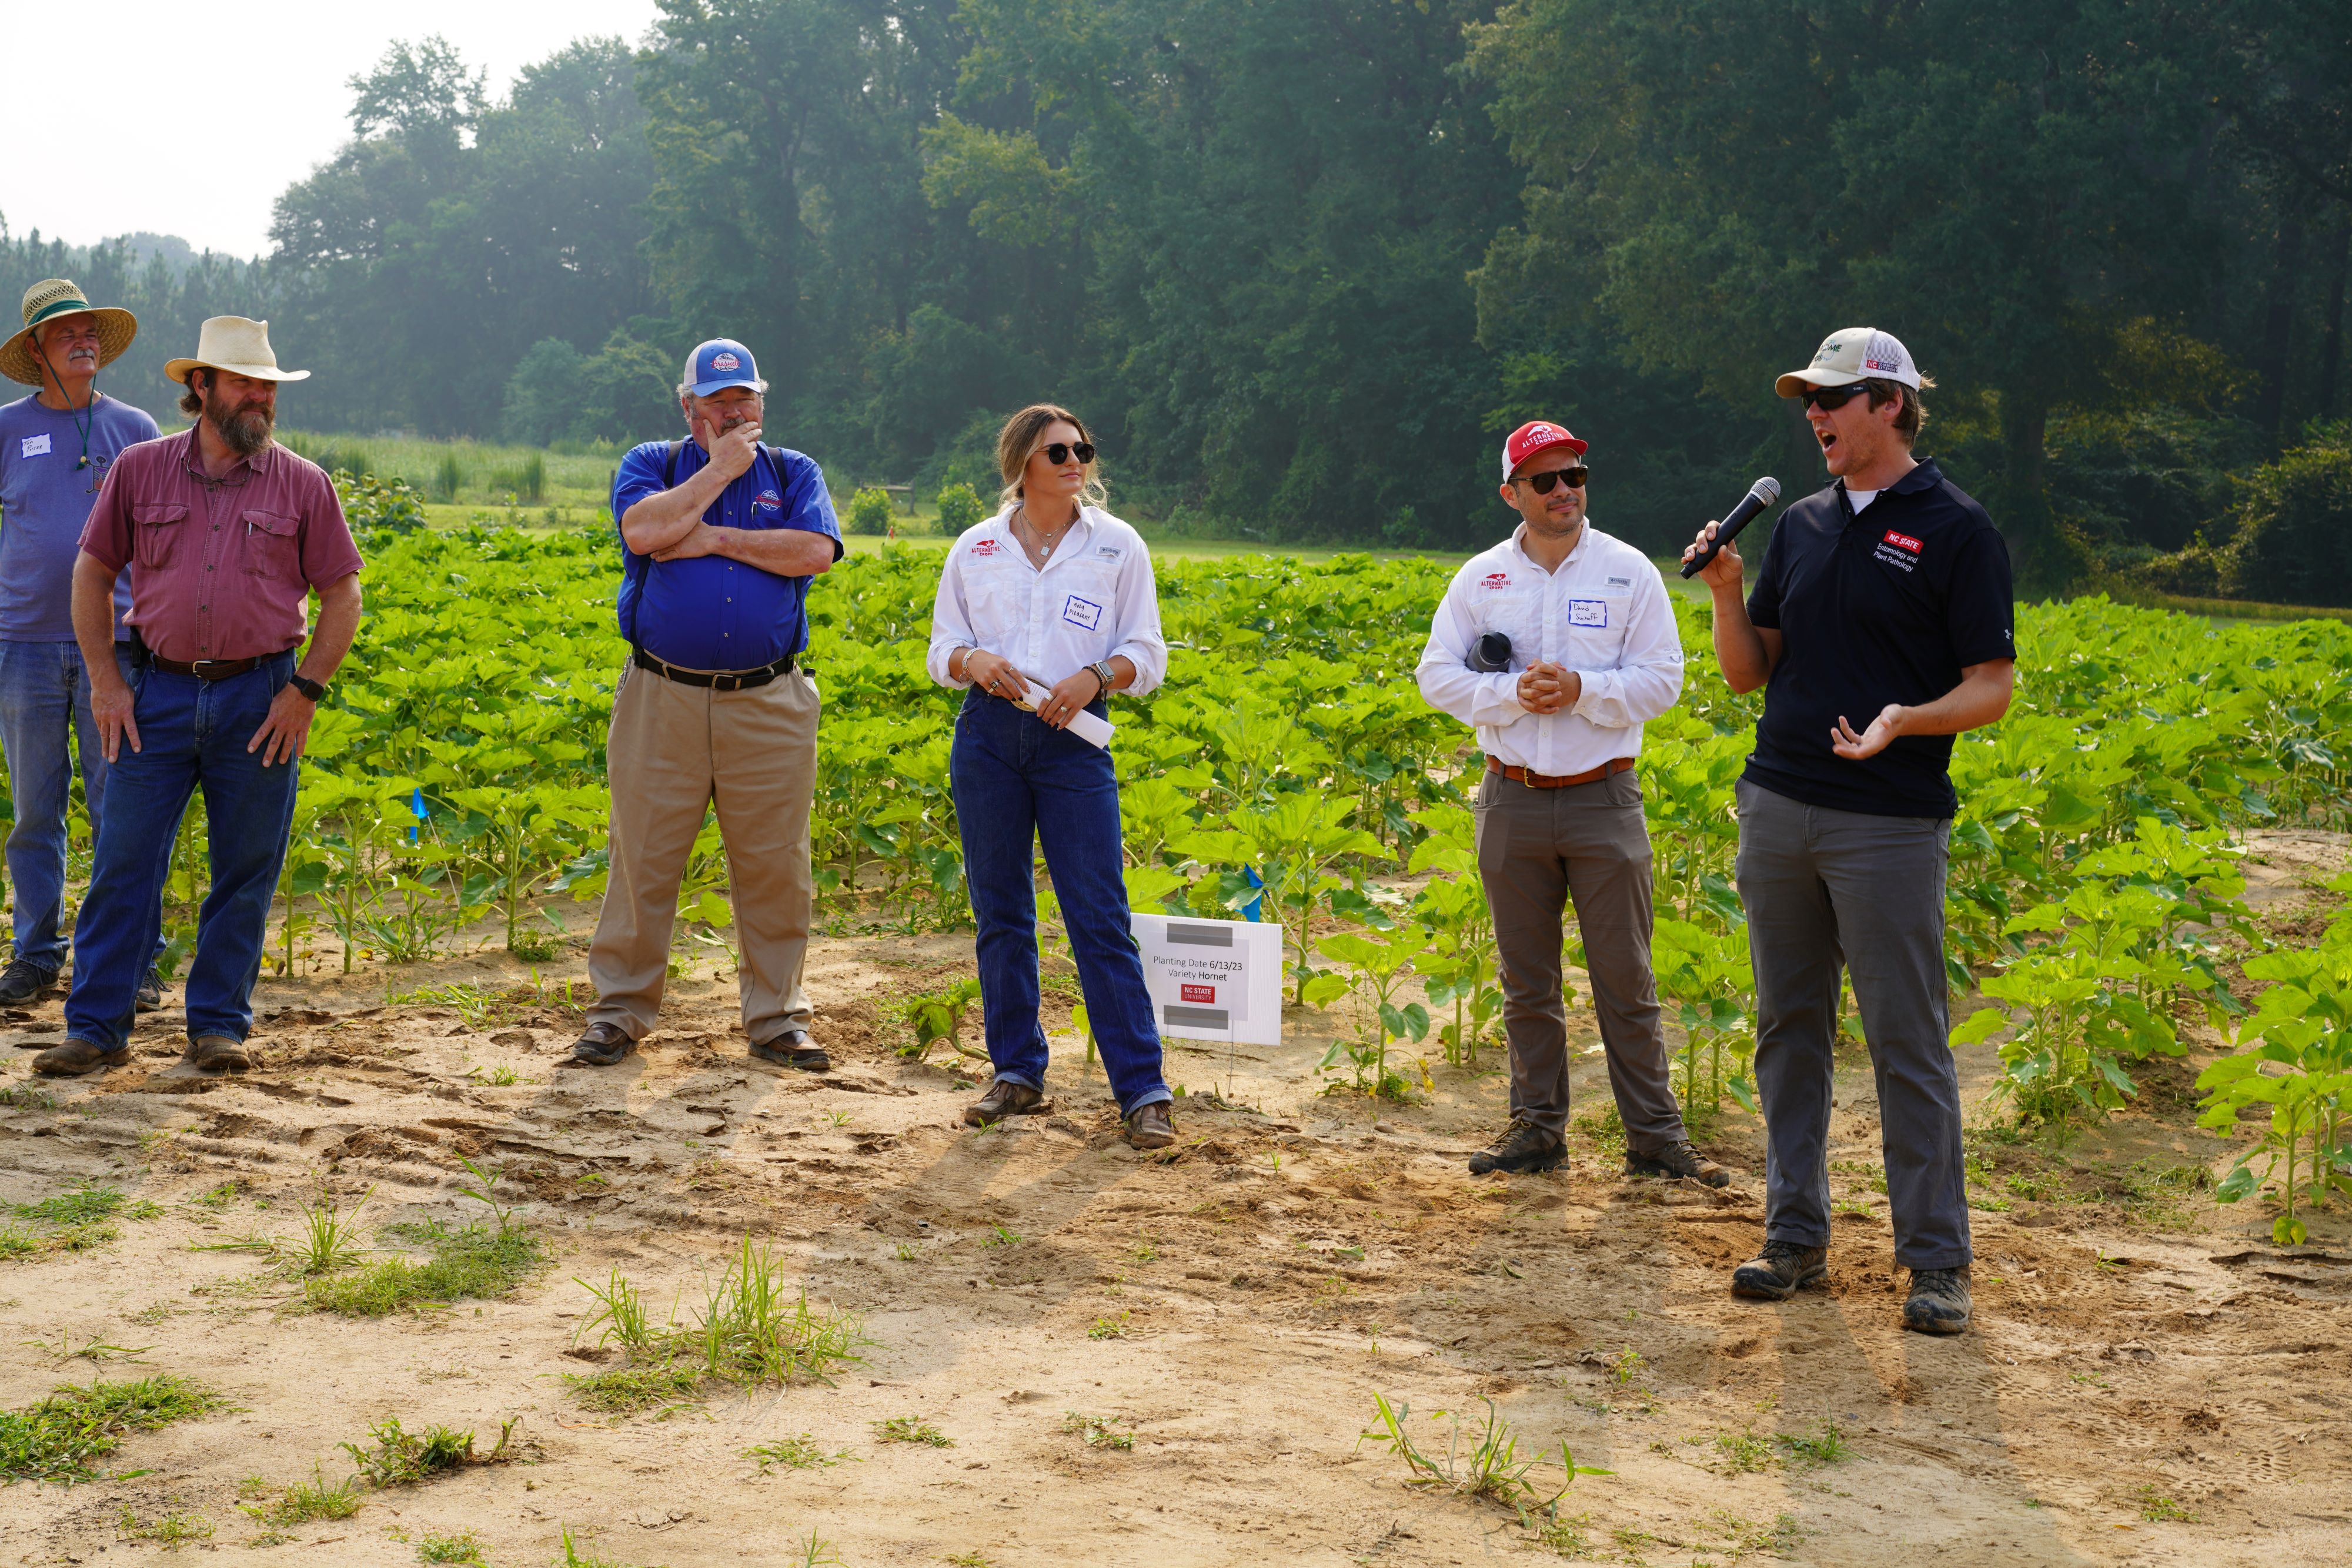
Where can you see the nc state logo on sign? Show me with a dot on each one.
(1193, 993)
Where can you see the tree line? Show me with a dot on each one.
(1302, 261)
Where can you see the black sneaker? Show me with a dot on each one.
(1780, 1271)
(23, 980)
(1940, 1302)
(1677, 1162)
(792, 1049)
(600, 1045)
(151, 992)
(1523, 1147)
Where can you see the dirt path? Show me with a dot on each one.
(1239, 1302)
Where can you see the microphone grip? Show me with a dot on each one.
(1728, 530)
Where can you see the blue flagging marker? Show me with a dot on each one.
(417, 804)
(1250, 910)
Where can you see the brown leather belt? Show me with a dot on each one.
(1518, 775)
(717, 680)
(208, 669)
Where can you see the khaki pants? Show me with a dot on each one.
(1538, 849)
(674, 750)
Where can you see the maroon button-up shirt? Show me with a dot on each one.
(219, 569)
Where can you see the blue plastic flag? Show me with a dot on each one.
(417, 804)
(1250, 910)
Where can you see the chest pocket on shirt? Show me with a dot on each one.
(270, 547)
(1596, 625)
(156, 529)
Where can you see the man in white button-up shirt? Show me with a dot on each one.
(1558, 644)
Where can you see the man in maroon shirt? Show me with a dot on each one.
(226, 533)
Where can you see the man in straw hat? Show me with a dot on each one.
(55, 448)
(226, 533)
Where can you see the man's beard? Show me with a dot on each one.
(246, 431)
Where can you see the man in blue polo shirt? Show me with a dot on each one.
(1880, 627)
(720, 536)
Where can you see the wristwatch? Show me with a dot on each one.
(307, 686)
(1103, 672)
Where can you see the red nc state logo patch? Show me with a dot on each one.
(1902, 541)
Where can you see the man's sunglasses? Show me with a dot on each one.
(1827, 398)
(1060, 452)
(1545, 484)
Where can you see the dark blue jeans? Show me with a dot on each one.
(45, 701)
(193, 735)
(1018, 782)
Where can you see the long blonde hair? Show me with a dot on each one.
(1018, 441)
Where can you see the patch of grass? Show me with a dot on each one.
(400, 1459)
(499, 1077)
(306, 1500)
(330, 1238)
(479, 1262)
(1489, 1468)
(1563, 1535)
(626, 1390)
(172, 1532)
(2158, 1509)
(478, 1005)
(969, 1560)
(15, 1243)
(1626, 1365)
(55, 1439)
(1100, 1431)
(815, 1553)
(799, 1453)
(27, 1098)
(578, 1553)
(906, 1252)
(1606, 1130)
(999, 1236)
(86, 1204)
(1745, 1453)
(1110, 1328)
(1826, 1447)
(461, 1548)
(911, 1429)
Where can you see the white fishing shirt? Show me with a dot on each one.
(1604, 614)
(1094, 598)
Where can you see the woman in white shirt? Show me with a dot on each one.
(1051, 598)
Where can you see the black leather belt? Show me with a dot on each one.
(207, 669)
(718, 680)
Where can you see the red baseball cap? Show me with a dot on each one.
(1533, 437)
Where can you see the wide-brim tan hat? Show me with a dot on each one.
(235, 344)
(1852, 354)
(46, 301)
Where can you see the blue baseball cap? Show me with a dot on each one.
(718, 364)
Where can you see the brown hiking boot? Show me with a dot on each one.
(217, 1053)
(1005, 1098)
(1151, 1127)
(600, 1045)
(1678, 1162)
(1523, 1147)
(75, 1057)
(1781, 1270)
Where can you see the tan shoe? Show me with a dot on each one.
(1005, 1098)
(1151, 1127)
(75, 1057)
(217, 1053)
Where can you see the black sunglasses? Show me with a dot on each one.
(1061, 452)
(1827, 398)
(1545, 484)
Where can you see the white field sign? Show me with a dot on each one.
(1212, 979)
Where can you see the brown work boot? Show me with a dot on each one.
(1678, 1162)
(1005, 1098)
(600, 1045)
(75, 1057)
(1151, 1127)
(1524, 1146)
(217, 1053)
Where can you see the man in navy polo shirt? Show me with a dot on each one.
(1880, 627)
(719, 538)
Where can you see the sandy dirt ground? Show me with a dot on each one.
(1236, 1303)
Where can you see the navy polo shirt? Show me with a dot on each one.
(710, 613)
(1884, 607)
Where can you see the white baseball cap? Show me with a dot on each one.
(1852, 354)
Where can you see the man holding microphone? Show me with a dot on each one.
(1880, 626)
(1591, 656)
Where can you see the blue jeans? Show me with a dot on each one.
(45, 697)
(1018, 782)
(192, 734)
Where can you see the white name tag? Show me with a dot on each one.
(1083, 612)
(33, 446)
(1588, 613)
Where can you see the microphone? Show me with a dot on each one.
(1760, 495)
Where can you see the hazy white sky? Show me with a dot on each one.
(97, 150)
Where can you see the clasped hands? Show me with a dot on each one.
(1547, 687)
(998, 677)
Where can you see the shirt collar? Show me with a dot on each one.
(193, 460)
(1924, 475)
(1519, 548)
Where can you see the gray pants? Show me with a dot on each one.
(1827, 890)
(1537, 848)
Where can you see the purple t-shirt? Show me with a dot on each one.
(46, 495)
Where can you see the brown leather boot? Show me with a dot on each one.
(217, 1053)
(75, 1057)
(1005, 1098)
(1151, 1127)
(600, 1045)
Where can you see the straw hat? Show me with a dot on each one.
(46, 301)
(234, 344)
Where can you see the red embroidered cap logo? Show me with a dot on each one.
(1902, 541)
(1200, 993)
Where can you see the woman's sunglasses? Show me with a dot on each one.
(1060, 452)
(1827, 398)
(1545, 484)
